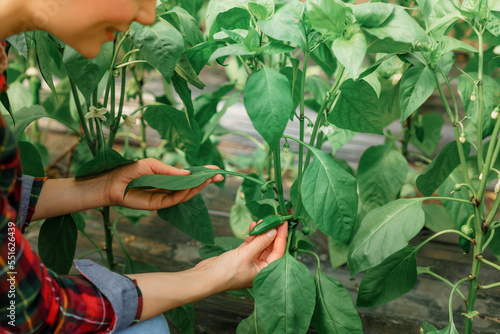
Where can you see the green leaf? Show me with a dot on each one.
(186, 24)
(286, 307)
(186, 71)
(45, 50)
(382, 172)
(259, 11)
(105, 160)
(389, 280)
(251, 325)
(133, 215)
(87, 73)
(358, 108)
(372, 15)
(26, 116)
(327, 16)
(437, 218)
(458, 212)
(200, 54)
(268, 102)
(427, 328)
(438, 15)
(57, 243)
(399, 27)
(339, 138)
(383, 232)
(351, 52)
(337, 253)
(30, 159)
(22, 43)
(431, 125)
(231, 50)
(285, 25)
(333, 202)
(491, 95)
(161, 45)
(334, 311)
(234, 18)
(205, 105)
(215, 7)
(136, 267)
(175, 127)
(417, 85)
(240, 216)
(450, 329)
(192, 218)
(323, 56)
(174, 182)
(448, 44)
(183, 318)
(440, 168)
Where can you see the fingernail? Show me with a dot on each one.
(271, 233)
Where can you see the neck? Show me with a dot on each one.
(14, 18)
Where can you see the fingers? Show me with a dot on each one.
(215, 178)
(158, 167)
(260, 243)
(279, 245)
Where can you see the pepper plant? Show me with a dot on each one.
(359, 68)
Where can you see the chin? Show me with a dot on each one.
(88, 50)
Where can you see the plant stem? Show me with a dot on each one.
(277, 177)
(487, 164)
(87, 137)
(301, 118)
(493, 210)
(90, 252)
(94, 244)
(115, 125)
(445, 199)
(441, 278)
(108, 238)
(480, 103)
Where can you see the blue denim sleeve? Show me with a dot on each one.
(120, 290)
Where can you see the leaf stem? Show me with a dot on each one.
(315, 255)
(441, 278)
(81, 115)
(439, 234)
(491, 264)
(480, 104)
(489, 286)
(492, 234)
(488, 163)
(90, 252)
(439, 198)
(301, 118)
(450, 304)
(277, 177)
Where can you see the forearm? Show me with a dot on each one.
(165, 291)
(63, 196)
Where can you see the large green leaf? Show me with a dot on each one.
(26, 116)
(430, 125)
(399, 27)
(286, 307)
(358, 108)
(186, 71)
(440, 168)
(45, 50)
(491, 93)
(57, 243)
(268, 101)
(105, 160)
(87, 73)
(417, 85)
(329, 195)
(31, 160)
(437, 218)
(192, 218)
(22, 42)
(327, 16)
(186, 24)
(205, 105)
(459, 212)
(221, 245)
(160, 44)
(351, 52)
(175, 127)
(215, 7)
(334, 312)
(240, 216)
(383, 232)
(382, 172)
(285, 25)
(250, 325)
(389, 280)
(183, 318)
(450, 329)
(372, 15)
(200, 54)
(234, 18)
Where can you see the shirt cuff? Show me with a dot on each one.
(121, 291)
(32, 186)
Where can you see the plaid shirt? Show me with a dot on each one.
(34, 299)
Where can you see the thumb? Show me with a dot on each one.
(261, 242)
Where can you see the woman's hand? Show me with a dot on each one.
(236, 269)
(148, 199)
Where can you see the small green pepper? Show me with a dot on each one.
(267, 224)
